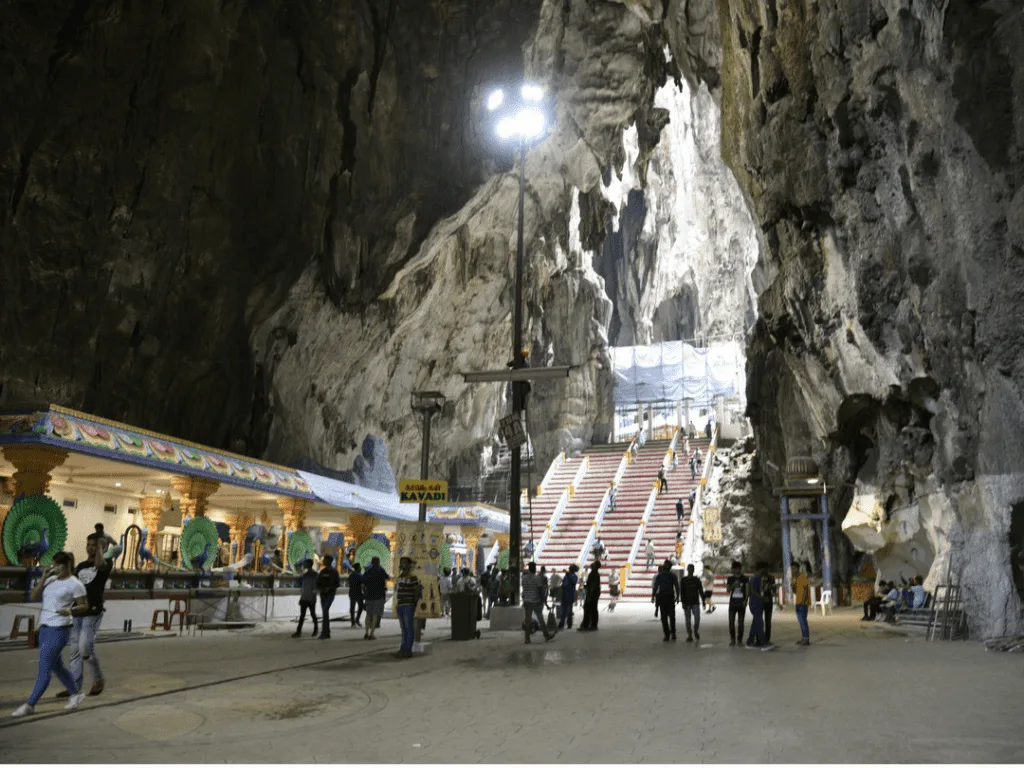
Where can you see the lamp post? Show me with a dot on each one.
(520, 118)
(428, 404)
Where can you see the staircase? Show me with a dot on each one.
(567, 537)
(663, 526)
(545, 504)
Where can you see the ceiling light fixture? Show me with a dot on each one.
(117, 485)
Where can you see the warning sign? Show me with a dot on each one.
(512, 431)
(423, 491)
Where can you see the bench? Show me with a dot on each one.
(30, 634)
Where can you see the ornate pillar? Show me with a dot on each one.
(503, 539)
(239, 524)
(4, 509)
(33, 465)
(362, 528)
(472, 534)
(194, 492)
(152, 510)
(294, 511)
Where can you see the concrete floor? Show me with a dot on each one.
(618, 695)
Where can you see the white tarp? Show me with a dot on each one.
(348, 496)
(675, 371)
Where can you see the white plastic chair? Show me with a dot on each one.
(825, 602)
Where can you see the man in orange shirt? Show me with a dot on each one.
(802, 591)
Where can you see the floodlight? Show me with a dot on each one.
(532, 92)
(495, 100)
(506, 128)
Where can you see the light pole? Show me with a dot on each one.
(520, 119)
(428, 404)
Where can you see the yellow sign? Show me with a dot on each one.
(711, 515)
(422, 542)
(713, 532)
(423, 491)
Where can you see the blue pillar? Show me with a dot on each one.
(787, 556)
(826, 554)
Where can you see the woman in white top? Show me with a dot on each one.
(61, 594)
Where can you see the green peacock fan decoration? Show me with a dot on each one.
(370, 549)
(300, 546)
(35, 527)
(502, 560)
(446, 556)
(199, 542)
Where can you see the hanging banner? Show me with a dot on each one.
(423, 491)
(711, 515)
(422, 542)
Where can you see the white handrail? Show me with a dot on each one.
(697, 514)
(557, 462)
(580, 474)
(563, 502)
(635, 549)
(492, 556)
(588, 542)
(623, 463)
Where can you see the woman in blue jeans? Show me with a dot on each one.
(61, 593)
(408, 591)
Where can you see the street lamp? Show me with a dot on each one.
(428, 404)
(519, 115)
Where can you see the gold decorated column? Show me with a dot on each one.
(152, 509)
(472, 534)
(362, 528)
(33, 465)
(194, 492)
(294, 511)
(4, 509)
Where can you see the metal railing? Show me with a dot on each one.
(557, 462)
(580, 474)
(556, 515)
(641, 529)
(588, 542)
(695, 541)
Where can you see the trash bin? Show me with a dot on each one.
(464, 613)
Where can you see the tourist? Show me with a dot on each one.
(555, 590)
(693, 470)
(493, 590)
(709, 589)
(375, 591)
(327, 583)
(679, 547)
(690, 593)
(755, 591)
(680, 512)
(346, 566)
(93, 572)
(641, 438)
(770, 590)
(612, 490)
(591, 598)
(917, 593)
(277, 559)
(738, 590)
(408, 592)
(534, 589)
(505, 588)
(485, 588)
(662, 481)
(654, 580)
(675, 460)
(665, 595)
(649, 552)
(356, 602)
(598, 548)
(707, 430)
(613, 590)
(692, 498)
(63, 596)
(307, 598)
(444, 587)
(697, 457)
(802, 602)
(872, 604)
(568, 597)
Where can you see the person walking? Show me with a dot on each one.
(612, 491)
(375, 591)
(690, 592)
(555, 591)
(408, 592)
(356, 602)
(444, 587)
(493, 591)
(693, 469)
(63, 597)
(93, 572)
(613, 590)
(756, 603)
(662, 481)
(692, 498)
(680, 513)
(649, 552)
(327, 583)
(770, 590)
(568, 597)
(802, 601)
(593, 595)
(534, 586)
(485, 588)
(709, 590)
(307, 598)
(665, 594)
(738, 589)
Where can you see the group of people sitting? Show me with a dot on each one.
(889, 600)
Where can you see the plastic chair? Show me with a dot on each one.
(825, 603)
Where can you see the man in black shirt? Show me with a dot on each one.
(665, 593)
(355, 595)
(593, 595)
(327, 583)
(738, 590)
(690, 593)
(93, 572)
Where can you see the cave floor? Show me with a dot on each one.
(619, 695)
